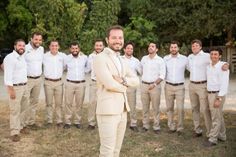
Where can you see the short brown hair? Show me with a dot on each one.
(115, 27)
(17, 41)
(175, 42)
(196, 41)
(129, 43)
(36, 33)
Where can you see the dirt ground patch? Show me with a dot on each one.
(57, 142)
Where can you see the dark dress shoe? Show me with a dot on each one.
(171, 131)
(208, 144)
(78, 126)
(24, 131)
(15, 138)
(143, 130)
(91, 127)
(134, 128)
(157, 131)
(197, 134)
(66, 126)
(59, 125)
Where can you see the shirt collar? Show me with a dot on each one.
(16, 54)
(216, 65)
(155, 57)
(170, 56)
(113, 52)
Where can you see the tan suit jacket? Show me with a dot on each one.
(111, 94)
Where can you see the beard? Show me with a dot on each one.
(174, 53)
(75, 54)
(20, 51)
(34, 45)
(116, 47)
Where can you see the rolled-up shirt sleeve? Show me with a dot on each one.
(8, 71)
(224, 79)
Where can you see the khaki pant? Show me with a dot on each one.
(34, 86)
(74, 91)
(173, 93)
(153, 96)
(92, 103)
(199, 102)
(131, 96)
(54, 92)
(218, 126)
(18, 109)
(111, 131)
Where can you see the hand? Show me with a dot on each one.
(118, 78)
(12, 93)
(151, 86)
(217, 103)
(225, 67)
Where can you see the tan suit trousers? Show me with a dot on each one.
(18, 109)
(111, 131)
(199, 102)
(92, 103)
(74, 91)
(172, 94)
(34, 86)
(131, 96)
(54, 93)
(153, 96)
(218, 125)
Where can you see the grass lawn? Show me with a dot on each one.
(58, 142)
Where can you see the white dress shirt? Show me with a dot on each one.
(197, 66)
(134, 64)
(217, 79)
(34, 60)
(15, 69)
(53, 65)
(90, 64)
(153, 68)
(76, 67)
(175, 68)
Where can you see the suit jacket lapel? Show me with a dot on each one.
(114, 63)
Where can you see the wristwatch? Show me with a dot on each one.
(219, 98)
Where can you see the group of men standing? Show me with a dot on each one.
(23, 70)
(115, 80)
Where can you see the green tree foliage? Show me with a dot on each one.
(140, 31)
(185, 20)
(103, 14)
(58, 19)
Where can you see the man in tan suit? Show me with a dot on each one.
(113, 78)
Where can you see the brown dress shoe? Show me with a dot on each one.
(24, 131)
(15, 138)
(197, 134)
(91, 127)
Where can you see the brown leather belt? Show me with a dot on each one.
(53, 80)
(212, 92)
(82, 81)
(20, 84)
(93, 80)
(175, 84)
(198, 82)
(147, 82)
(33, 77)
